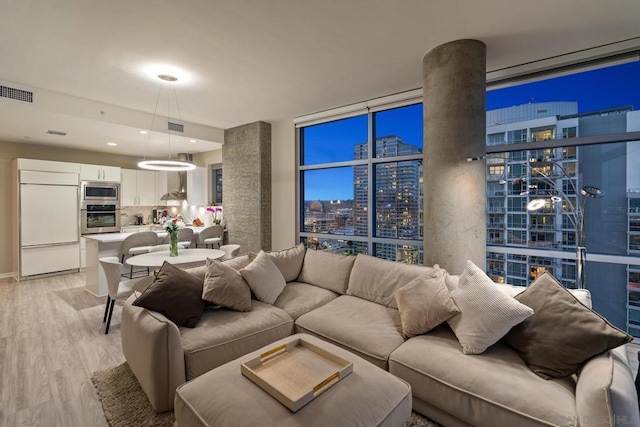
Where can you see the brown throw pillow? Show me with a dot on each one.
(175, 294)
(224, 286)
(563, 333)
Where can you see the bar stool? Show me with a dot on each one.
(185, 238)
(112, 268)
(136, 244)
(211, 235)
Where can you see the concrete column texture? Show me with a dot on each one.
(246, 185)
(454, 82)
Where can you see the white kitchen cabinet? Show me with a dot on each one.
(197, 187)
(99, 173)
(162, 187)
(138, 188)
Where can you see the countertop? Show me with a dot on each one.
(119, 237)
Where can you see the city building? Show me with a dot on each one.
(523, 243)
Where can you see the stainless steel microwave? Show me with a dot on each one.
(100, 191)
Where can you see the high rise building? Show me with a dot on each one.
(514, 179)
(397, 198)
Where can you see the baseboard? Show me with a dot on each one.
(11, 274)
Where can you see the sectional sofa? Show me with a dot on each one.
(350, 301)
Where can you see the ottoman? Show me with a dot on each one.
(367, 397)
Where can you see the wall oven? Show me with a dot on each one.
(100, 210)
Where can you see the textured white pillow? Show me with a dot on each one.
(264, 278)
(486, 313)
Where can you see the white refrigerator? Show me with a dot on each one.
(49, 222)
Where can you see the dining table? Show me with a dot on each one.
(185, 256)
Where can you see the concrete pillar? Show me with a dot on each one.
(454, 81)
(246, 185)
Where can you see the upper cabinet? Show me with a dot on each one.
(99, 173)
(138, 188)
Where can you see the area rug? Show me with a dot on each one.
(125, 404)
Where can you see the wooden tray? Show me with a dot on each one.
(296, 372)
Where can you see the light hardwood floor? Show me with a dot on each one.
(51, 341)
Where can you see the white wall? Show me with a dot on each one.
(283, 185)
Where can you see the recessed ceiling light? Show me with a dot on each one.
(111, 144)
(144, 132)
(193, 141)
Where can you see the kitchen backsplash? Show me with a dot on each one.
(128, 214)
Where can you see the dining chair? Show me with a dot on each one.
(112, 268)
(211, 235)
(136, 244)
(230, 251)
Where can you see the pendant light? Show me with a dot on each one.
(169, 164)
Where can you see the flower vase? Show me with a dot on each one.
(173, 247)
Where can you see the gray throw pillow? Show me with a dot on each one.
(563, 333)
(176, 294)
(224, 286)
(424, 303)
(264, 278)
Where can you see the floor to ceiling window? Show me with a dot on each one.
(361, 184)
(551, 143)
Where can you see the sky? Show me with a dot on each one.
(593, 90)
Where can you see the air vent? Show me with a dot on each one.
(56, 132)
(16, 94)
(176, 127)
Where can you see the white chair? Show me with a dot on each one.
(230, 251)
(211, 235)
(112, 268)
(136, 244)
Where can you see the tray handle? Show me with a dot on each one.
(266, 354)
(325, 382)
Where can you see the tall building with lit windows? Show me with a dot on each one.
(515, 178)
(397, 197)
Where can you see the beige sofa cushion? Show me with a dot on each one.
(327, 270)
(223, 335)
(370, 330)
(299, 298)
(495, 388)
(289, 261)
(377, 280)
(606, 391)
(424, 303)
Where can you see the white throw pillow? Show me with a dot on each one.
(486, 313)
(264, 278)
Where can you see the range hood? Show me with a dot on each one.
(180, 192)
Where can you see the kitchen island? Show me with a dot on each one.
(105, 245)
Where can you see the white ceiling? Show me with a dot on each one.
(249, 60)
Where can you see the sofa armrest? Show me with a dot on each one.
(605, 392)
(152, 345)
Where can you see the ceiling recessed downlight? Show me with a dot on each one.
(111, 144)
(193, 141)
(144, 132)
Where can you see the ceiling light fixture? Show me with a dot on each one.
(169, 164)
(111, 144)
